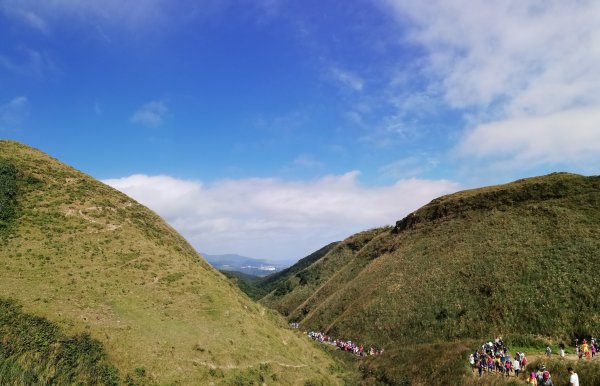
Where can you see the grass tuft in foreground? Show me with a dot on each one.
(33, 351)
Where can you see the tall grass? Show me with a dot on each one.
(33, 351)
(8, 194)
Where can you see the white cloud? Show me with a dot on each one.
(572, 135)
(277, 219)
(515, 64)
(151, 114)
(14, 113)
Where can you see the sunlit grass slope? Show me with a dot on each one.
(88, 262)
(518, 260)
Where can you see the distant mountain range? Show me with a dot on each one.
(248, 265)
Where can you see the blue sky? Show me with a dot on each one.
(270, 128)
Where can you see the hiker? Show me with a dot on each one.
(507, 366)
(481, 366)
(547, 378)
(548, 351)
(516, 367)
(532, 380)
(539, 375)
(543, 377)
(562, 349)
(586, 349)
(573, 377)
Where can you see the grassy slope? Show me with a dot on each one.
(310, 284)
(517, 259)
(90, 259)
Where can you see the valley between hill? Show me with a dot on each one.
(97, 289)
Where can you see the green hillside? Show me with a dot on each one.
(520, 260)
(97, 289)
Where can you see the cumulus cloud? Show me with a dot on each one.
(572, 135)
(276, 219)
(512, 62)
(151, 114)
(14, 113)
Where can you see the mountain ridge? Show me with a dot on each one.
(89, 260)
(464, 267)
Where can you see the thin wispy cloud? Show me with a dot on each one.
(28, 17)
(98, 109)
(14, 112)
(408, 167)
(348, 79)
(139, 18)
(37, 14)
(267, 217)
(150, 114)
(26, 61)
(306, 161)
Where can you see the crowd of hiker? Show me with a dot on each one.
(586, 350)
(493, 357)
(345, 345)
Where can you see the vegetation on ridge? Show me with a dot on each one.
(90, 260)
(519, 260)
(8, 194)
(259, 287)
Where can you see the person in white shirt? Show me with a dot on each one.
(574, 379)
(516, 367)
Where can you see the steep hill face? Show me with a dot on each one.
(87, 266)
(519, 259)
